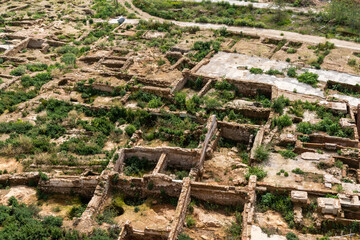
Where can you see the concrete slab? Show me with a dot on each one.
(336, 106)
(353, 101)
(233, 66)
(257, 234)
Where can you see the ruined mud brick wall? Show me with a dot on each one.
(237, 132)
(45, 167)
(268, 187)
(28, 178)
(176, 157)
(319, 138)
(18, 47)
(181, 210)
(128, 233)
(95, 205)
(249, 210)
(84, 186)
(249, 111)
(246, 88)
(30, 43)
(132, 186)
(223, 195)
(211, 128)
(257, 142)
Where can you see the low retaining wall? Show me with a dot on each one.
(176, 157)
(84, 186)
(318, 138)
(237, 132)
(223, 195)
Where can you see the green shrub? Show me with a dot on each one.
(298, 171)
(274, 72)
(258, 171)
(309, 78)
(282, 121)
(234, 230)
(291, 50)
(256, 70)
(279, 104)
(107, 8)
(19, 71)
(135, 166)
(43, 176)
(305, 127)
(279, 203)
(155, 103)
(291, 236)
(184, 236)
(69, 59)
(288, 154)
(36, 67)
(262, 153)
(292, 72)
(130, 130)
(190, 221)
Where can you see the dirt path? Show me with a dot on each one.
(263, 33)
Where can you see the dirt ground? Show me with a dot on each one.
(151, 214)
(11, 165)
(23, 194)
(209, 224)
(223, 168)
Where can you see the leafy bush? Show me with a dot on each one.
(258, 171)
(184, 236)
(8, 99)
(69, 59)
(291, 236)
(135, 166)
(130, 130)
(204, 48)
(274, 72)
(19, 71)
(305, 127)
(36, 67)
(288, 154)
(282, 121)
(107, 8)
(234, 230)
(155, 103)
(38, 80)
(279, 104)
(279, 203)
(309, 78)
(298, 171)
(256, 70)
(292, 72)
(262, 153)
(190, 221)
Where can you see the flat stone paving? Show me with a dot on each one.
(231, 65)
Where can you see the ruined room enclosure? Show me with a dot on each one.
(185, 167)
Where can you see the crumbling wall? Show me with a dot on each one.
(249, 210)
(181, 210)
(223, 195)
(176, 157)
(28, 178)
(84, 186)
(237, 132)
(319, 138)
(18, 47)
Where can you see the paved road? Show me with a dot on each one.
(265, 33)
